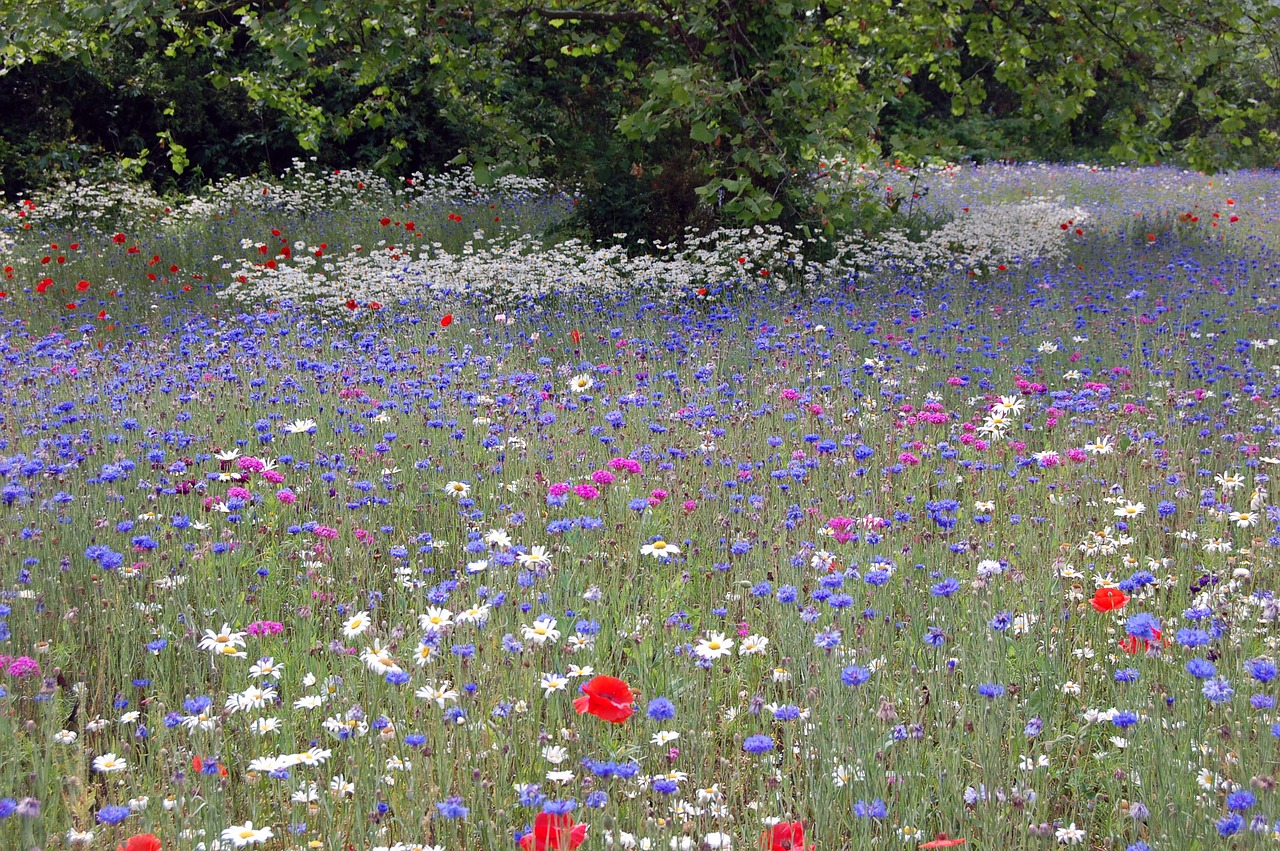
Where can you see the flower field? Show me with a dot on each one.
(343, 515)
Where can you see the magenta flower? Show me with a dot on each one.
(23, 666)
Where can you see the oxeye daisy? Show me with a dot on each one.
(356, 625)
(660, 549)
(457, 490)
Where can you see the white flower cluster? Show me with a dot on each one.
(301, 191)
(509, 270)
(86, 202)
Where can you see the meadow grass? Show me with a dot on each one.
(894, 507)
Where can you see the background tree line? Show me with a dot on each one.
(666, 111)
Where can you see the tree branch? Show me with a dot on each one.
(590, 16)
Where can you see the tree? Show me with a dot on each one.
(735, 100)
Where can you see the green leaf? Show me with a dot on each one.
(700, 132)
(482, 175)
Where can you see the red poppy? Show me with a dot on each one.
(1134, 645)
(82, 286)
(556, 832)
(1109, 599)
(607, 698)
(44, 284)
(118, 239)
(702, 290)
(375, 305)
(384, 221)
(786, 836)
(575, 336)
(351, 304)
(943, 842)
(446, 320)
(141, 842)
(197, 764)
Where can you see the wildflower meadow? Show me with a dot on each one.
(351, 514)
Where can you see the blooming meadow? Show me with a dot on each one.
(347, 516)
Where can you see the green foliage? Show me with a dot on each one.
(735, 103)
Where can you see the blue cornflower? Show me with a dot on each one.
(1262, 670)
(1127, 675)
(1192, 637)
(1201, 669)
(452, 808)
(113, 814)
(1142, 625)
(855, 675)
(876, 577)
(946, 587)
(827, 640)
(757, 744)
(1217, 690)
(990, 690)
(1001, 622)
(1124, 719)
(1229, 825)
(665, 785)
(560, 808)
(660, 709)
(875, 809)
(1240, 800)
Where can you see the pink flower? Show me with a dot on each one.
(249, 463)
(630, 465)
(364, 536)
(326, 532)
(265, 628)
(689, 506)
(659, 494)
(238, 493)
(559, 489)
(790, 394)
(908, 458)
(286, 496)
(586, 492)
(957, 381)
(23, 666)
(1077, 455)
(602, 477)
(272, 476)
